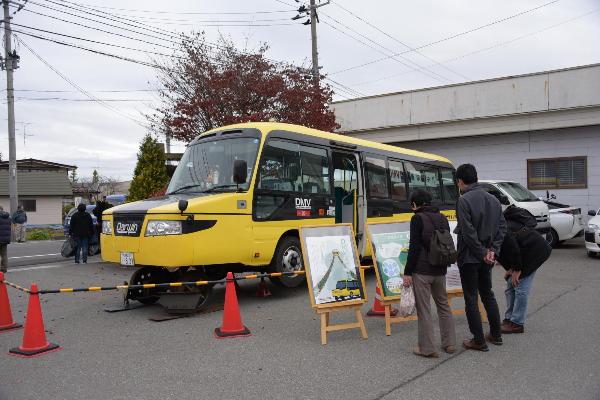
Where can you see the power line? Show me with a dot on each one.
(419, 68)
(401, 42)
(490, 47)
(79, 88)
(91, 91)
(446, 38)
(190, 13)
(67, 99)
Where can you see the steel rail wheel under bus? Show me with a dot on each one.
(176, 300)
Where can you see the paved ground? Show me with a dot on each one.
(34, 252)
(127, 356)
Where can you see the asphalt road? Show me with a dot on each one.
(34, 252)
(127, 356)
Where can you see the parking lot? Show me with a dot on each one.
(127, 356)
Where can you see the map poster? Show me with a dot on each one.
(389, 249)
(332, 266)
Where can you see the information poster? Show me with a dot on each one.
(389, 244)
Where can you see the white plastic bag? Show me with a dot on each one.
(407, 302)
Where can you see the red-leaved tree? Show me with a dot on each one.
(208, 85)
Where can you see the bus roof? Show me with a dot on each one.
(267, 127)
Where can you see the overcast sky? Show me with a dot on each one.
(60, 127)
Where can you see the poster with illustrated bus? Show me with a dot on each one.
(332, 266)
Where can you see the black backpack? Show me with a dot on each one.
(442, 251)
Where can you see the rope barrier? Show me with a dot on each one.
(165, 285)
(153, 285)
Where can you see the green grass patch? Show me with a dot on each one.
(45, 234)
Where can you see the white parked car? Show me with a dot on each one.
(513, 193)
(566, 223)
(592, 233)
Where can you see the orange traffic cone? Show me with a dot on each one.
(378, 309)
(263, 290)
(232, 325)
(6, 319)
(34, 336)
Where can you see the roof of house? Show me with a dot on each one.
(32, 163)
(38, 183)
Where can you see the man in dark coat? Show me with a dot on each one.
(20, 221)
(480, 229)
(101, 206)
(5, 231)
(524, 250)
(81, 229)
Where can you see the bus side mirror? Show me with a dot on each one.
(592, 213)
(240, 171)
(182, 205)
(504, 200)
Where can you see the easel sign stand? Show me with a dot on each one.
(389, 248)
(333, 275)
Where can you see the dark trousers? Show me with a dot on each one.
(81, 244)
(477, 278)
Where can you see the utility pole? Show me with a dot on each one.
(11, 60)
(313, 37)
(311, 12)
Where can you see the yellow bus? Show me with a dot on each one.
(240, 193)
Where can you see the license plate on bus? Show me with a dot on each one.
(127, 259)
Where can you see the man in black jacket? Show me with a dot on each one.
(480, 229)
(81, 229)
(5, 232)
(524, 250)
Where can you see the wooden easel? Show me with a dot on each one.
(325, 327)
(452, 293)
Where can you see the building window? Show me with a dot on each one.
(28, 205)
(557, 173)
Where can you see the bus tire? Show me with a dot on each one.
(288, 258)
(143, 276)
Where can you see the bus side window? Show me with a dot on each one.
(280, 167)
(315, 170)
(449, 186)
(426, 177)
(376, 177)
(397, 180)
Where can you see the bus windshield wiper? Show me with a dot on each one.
(216, 188)
(183, 188)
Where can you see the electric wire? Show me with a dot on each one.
(445, 39)
(402, 60)
(401, 42)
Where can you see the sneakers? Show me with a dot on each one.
(471, 344)
(511, 327)
(495, 341)
(417, 351)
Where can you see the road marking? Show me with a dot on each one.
(37, 255)
(48, 266)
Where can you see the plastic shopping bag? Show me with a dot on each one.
(407, 302)
(68, 248)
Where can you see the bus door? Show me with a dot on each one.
(348, 192)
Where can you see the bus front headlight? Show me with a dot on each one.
(161, 228)
(107, 227)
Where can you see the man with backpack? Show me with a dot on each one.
(431, 251)
(480, 229)
(523, 251)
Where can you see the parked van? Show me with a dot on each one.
(513, 193)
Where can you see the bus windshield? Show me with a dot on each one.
(208, 166)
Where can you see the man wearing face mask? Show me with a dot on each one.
(480, 228)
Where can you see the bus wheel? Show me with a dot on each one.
(143, 276)
(288, 258)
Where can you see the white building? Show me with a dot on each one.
(542, 129)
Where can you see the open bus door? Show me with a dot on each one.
(348, 191)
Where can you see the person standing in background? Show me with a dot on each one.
(101, 206)
(20, 221)
(5, 233)
(480, 228)
(81, 229)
